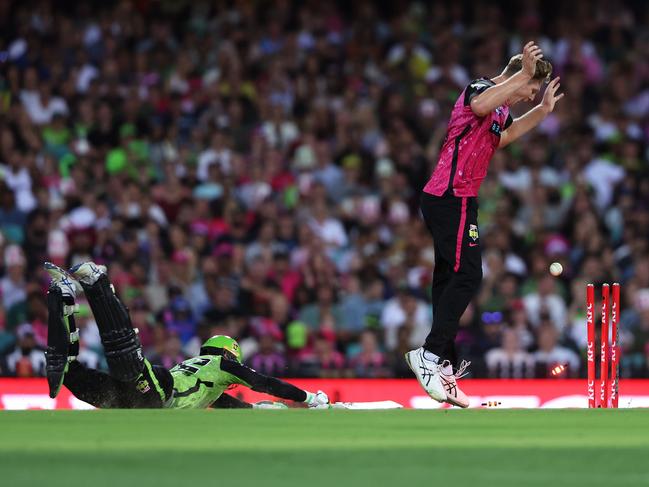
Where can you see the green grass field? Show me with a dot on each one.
(486, 448)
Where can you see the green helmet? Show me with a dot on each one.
(223, 342)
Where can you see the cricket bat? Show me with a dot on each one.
(367, 405)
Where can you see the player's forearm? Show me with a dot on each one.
(263, 383)
(497, 95)
(522, 125)
(279, 388)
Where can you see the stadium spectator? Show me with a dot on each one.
(13, 287)
(360, 307)
(27, 358)
(635, 344)
(323, 360)
(546, 301)
(12, 220)
(399, 366)
(324, 312)
(171, 353)
(408, 311)
(178, 319)
(551, 355)
(510, 361)
(369, 361)
(90, 348)
(268, 360)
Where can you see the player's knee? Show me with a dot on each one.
(477, 275)
(123, 354)
(470, 277)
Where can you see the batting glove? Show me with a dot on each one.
(319, 400)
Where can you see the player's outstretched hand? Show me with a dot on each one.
(531, 54)
(550, 96)
(319, 400)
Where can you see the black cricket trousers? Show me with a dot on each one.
(150, 390)
(453, 223)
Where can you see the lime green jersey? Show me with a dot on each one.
(199, 381)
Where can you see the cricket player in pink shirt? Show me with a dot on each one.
(480, 123)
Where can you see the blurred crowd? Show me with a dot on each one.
(253, 169)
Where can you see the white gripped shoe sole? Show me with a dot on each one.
(88, 272)
(66, 283)
(428, 374)
(454, 394)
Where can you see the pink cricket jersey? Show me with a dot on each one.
(469, 144)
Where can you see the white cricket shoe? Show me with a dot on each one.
(428, 374)
(64, 281)
(88, 272)
(454, 394)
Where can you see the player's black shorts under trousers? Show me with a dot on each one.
(453, 223)
(151, 390)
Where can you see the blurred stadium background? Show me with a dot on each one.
(252, 169)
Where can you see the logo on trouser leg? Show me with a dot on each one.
(473, 232)
(143, 386)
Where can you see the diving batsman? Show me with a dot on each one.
(132, 382)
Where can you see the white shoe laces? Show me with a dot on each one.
(461, 370)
